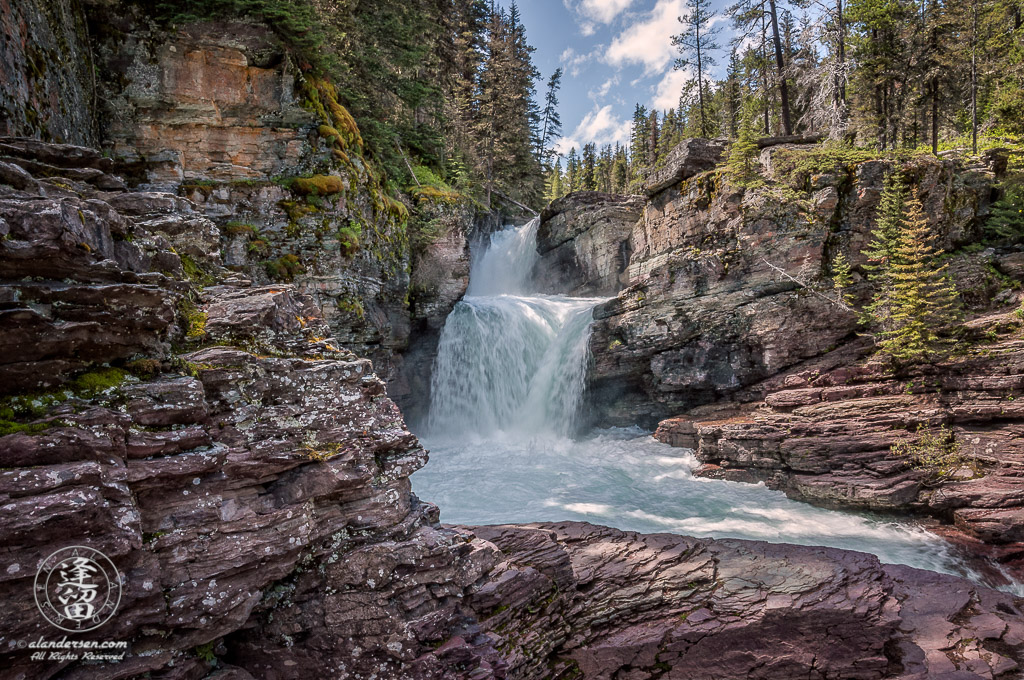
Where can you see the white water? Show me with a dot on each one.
(510, 362)
(506, 388)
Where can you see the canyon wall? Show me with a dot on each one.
(718, 296)
(47, 83)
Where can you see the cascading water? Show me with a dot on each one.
(506, 387)
(510, 362)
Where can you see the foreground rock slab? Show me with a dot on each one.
(577, 600)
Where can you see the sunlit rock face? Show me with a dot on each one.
(716, 299)
(213, 101)
(583, 242)
(573, 598)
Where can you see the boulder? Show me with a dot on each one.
(583, 243)
(686, 159)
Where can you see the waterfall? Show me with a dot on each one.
(510, 361)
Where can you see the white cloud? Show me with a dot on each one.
(648, 41)
(606, 87)
(603, 11)
(573, 62)
(600, 126)
(666, 92)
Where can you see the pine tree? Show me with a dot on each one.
(638, 142)
(572, 171)
(881, 251)
(762, 15)
(923, 299)
(696, 44)
(554, 182)
(1006, 216)
(551, 126)
(653, 133)
(588, 181)
(732, 92)
(620, 171)
(842, 278)
(743, 152)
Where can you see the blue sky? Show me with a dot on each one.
(615, 53)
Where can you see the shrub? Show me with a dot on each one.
(284, 268)
(348, 237)
(258, 247)
(937, 453)
(318, 185)
(1006, 219)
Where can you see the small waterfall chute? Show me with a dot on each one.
(510, 361)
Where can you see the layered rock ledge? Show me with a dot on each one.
(827, 437)
(717, 284)
(576, 600)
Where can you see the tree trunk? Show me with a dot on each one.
(839, 96)
(700, 82)
(780, 65)
(935, 115)
(974, 78)
(842, 50)
(764, 75)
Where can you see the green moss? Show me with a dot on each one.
(101, 380)
(348, 236)
(205, 187)
(296, 210)
(235, 228)
(396, 209)
(144, 367)
(11, 427)
(194, 320)
(351, 305)
(318, 185)
(194, 272)
(284, 268)
(322, 98)
(431, 194)
(323, 452)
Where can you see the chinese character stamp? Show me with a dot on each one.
(77, 589)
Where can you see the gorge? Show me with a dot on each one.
(219, 318)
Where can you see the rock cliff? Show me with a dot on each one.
(247, 476)
(47, 83)
(827, 437)
(718, 278)
(583, 243)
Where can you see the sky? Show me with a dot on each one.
(614, 53)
